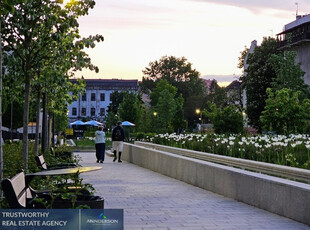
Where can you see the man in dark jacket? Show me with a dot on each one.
(118, 136)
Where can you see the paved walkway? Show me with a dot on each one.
(154, 201)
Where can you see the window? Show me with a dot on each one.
(84, 97)
(92, 111)
(73, 111)
(102, 97)
(93, 97)
(83, 112)
(102, 111)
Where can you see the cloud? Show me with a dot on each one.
(126, 14)
(258, 6)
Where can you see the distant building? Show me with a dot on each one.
(245, 66)
(296, 37)
(93, 104)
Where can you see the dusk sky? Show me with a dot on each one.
(209, 33)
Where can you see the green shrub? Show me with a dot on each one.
(226, 120)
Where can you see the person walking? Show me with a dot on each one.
(118, 136)
(100, 144)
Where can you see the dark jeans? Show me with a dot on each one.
(100, 151)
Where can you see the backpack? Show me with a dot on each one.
(118, 135)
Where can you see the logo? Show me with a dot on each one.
(101, 216)
(102, 219)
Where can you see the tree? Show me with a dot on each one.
(225, 120)
(284, 113)
(130, 109)
(288, 74)
(178, 121)
(260, 74)
(12, 93)
(35, 32)
(243, 55)
(217, 95)
(6, 6)
(179, 73)
(110, 120)
(116, 99)
(161, 86)
(166, 107)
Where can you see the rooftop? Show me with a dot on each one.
(109, 83)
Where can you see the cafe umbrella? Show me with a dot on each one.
(78, 122)
(128, 124)
(93, 123)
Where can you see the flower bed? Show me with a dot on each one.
(292, 150)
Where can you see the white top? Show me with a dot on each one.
(99, 137)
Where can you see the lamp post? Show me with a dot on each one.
(155, 124)
(198, 112)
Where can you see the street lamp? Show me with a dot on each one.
(155, 114)
(198, 112)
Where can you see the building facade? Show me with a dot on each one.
(93, 104)
(296, 37)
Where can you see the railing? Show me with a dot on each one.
(305, 37)
(296, 174)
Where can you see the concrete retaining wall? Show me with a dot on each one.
(280, 196)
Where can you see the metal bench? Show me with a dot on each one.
(44, 166)
(17, 193)
(20, 195)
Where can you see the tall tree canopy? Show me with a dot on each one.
(42, 34)
(130, 109)
(179, 73)
(259, 75)
(6, 6)
(168, 107)
(217, 95)
(289, 75)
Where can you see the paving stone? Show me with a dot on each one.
(154, 201)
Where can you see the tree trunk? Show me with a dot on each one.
(26, 120)
(1, 150)
(50, 130)
(44, 125)
(53, 131)
(36, 144)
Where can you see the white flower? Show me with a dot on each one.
(298, 142)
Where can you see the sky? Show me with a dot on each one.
(210, 34)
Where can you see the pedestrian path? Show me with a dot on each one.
(154, 201)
